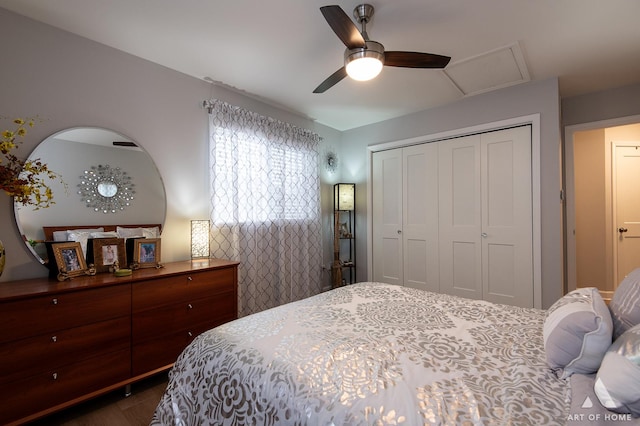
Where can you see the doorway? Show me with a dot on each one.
(626, 207)
(592, 231)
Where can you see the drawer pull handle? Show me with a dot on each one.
(190, 306)
(55, 376)
(54, 338)
(190, 334)
(189, 278)
(54, 301)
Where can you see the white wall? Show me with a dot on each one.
(70, 81)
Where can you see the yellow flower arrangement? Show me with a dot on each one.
(24, 180)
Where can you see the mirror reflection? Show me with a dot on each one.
(73, 152)
(107, 189)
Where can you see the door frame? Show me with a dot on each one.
(571, 277)
(534, 121)
(614, 204)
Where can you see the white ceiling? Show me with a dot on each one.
(280, 50)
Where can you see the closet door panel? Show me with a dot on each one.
(456, 216)
(459, 217)
(507, 217)
(387, 217)
(420, 216)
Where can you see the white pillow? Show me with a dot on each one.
(80, 237)
(107, 234)
(577, 332)
(63, 235)
(128, 232)
(153, 232)
(59, 235)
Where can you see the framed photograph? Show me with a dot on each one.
(107, 252)
(146, 252)
(69, 259)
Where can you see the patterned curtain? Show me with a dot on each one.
(265, 206)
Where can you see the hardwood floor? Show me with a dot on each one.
(114, 408)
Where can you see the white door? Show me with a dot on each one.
(459, 217)
(627, 205)
(420, 216)
(507, 232)
(456, 216)
(387, 217)
(486, 232)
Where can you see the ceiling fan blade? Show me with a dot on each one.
(332, 80)
(344, 27)
(415, 60)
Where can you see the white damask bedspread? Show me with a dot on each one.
(369, 354)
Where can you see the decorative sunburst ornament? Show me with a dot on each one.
(106, 189)
(331, 160)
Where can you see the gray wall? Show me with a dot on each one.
(69, 207)
(70, 81)
(532, 98)
(600, 106)
(607, 116)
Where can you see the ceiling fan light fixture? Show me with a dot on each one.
(364, 63)
(364, 59)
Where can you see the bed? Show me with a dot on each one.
(369, 353)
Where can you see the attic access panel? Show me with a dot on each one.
(489, 71)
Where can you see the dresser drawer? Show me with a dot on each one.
(182, 288)
(159, 352)
(210, 311)
(26, 357)
(46, 314)
(54, 387)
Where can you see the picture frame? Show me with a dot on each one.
(129, 244)
(146, 253)
(108, 253)
(69, 259)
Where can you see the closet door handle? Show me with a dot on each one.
(484, 235)
(621, 230)
(399, 231)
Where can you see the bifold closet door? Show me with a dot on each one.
(405, 216)
(486, 232)
(507, 218)
(387, 217)
(420, 216)
(460, 206)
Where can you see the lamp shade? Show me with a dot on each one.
(200, 238)
(344, 196)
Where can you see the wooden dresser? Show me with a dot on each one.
(64, 342)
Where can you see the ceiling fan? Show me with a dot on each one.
(364, 58)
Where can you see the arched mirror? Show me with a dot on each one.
(109, 180)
